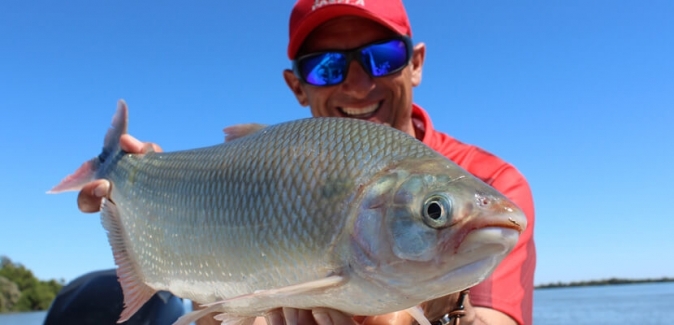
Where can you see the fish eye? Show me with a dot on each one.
(436, 211)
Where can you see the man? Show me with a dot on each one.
(355, 59)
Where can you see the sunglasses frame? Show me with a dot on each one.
(354, 54)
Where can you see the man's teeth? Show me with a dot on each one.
(360, 111)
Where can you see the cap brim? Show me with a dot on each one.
(322, 15)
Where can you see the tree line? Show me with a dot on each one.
(611, 281)
(21, 291)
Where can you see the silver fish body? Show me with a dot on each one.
(321, 212)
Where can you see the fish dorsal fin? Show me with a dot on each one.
(136, 292)
(241, 130)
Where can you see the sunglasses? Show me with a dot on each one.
(378, 59)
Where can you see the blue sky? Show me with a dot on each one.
(579, 95)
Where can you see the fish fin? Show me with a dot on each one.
(136, 293)
(418, 314)
(75, 181)
(291, 290)
(195, 315)
(87, 172)
(241, 130)
(119, 126)
(303, 288)
(227, 319)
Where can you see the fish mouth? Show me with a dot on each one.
(365, 112)
(478, 255)
(488, 240)
(469, 274)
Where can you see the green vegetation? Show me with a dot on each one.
(610, 281)
(20, 290)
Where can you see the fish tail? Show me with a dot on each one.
(89, 170)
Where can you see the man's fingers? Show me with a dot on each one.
(89, 198)
(305, 317)
(319, 316)
(133, 145)
(292, 316)
(436, 308)
(399, 317)
(326, 316)
(275, 317)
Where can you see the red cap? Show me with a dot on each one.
(309, 14)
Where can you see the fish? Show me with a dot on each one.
(317, 212)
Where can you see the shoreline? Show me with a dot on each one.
(605, 282)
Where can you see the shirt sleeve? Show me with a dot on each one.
(510, 288)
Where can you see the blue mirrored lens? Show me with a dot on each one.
(324, 69)
(382, 59)
(330, 68)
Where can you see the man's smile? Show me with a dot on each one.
(361, 112)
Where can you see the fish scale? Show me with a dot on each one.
(321, 212)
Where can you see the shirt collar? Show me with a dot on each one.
(423, 128)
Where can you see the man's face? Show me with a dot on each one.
(386, 100)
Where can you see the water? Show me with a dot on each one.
(649, 304)
(38, 317)
(32, 318)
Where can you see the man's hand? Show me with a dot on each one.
(89, 198)
(433, 310)
(326, 316)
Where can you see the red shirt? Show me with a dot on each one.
(510, 288)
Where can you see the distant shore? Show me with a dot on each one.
(611, 281)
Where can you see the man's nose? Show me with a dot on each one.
(358, 83)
